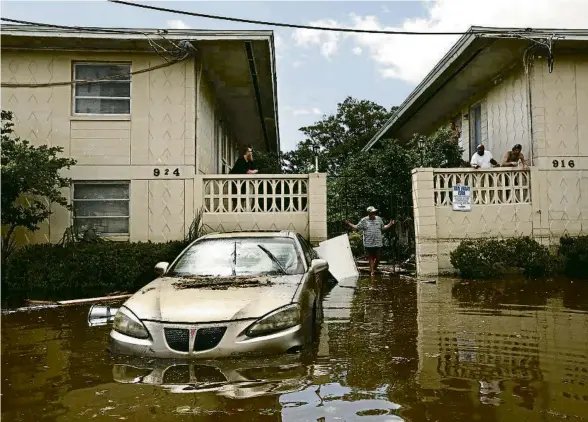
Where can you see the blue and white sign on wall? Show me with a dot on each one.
(462, 198)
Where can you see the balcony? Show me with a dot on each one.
(501, 206)
(264, 202)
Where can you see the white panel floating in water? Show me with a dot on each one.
(337, 252)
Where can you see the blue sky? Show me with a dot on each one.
(316, 70)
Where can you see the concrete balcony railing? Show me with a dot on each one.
(501, 206)
(264, 202)
(489, 187)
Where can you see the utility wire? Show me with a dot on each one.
(285, 25)
(77, 28)
(90, 81)
(508, 32)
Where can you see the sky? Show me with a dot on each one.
(316, 69)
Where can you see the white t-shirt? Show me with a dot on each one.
(482, 160)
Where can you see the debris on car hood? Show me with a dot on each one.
(220, 283)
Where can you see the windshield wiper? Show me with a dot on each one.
(234, 262)
(274, 259)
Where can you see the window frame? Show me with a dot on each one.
(306, 247)
(74, 64)
(104, 183)
(472, 126)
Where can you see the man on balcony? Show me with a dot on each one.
(245, 163)
(482, 159)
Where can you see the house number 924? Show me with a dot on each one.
(157, 172)
(562, 163)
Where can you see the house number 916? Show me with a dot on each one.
(556, 163)
(157, 172)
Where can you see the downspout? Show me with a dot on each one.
(254, 80)
(198, 70)
(526, 60)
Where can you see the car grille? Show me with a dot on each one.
(207, 338)
(177, 338)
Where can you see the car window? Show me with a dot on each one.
(305, 249)
(239, 257)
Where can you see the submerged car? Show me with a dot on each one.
(228, 294)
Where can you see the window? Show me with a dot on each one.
(109, 96)
(103, 207)
(475, 127)
(307, 249)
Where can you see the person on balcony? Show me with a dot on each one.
(245, 163)
(482, 159)
(512, 158)
(372, 227)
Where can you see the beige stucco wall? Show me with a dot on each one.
(558, 115)
(560, 132)
(176, 122)
(172, 125)
(504, 116)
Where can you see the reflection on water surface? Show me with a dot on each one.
(389, 350)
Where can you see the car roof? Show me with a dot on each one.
(243, 234)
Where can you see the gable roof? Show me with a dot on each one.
(468, 67)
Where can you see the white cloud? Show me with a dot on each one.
(385, 9)
(177, 24)
(280, 45)
(297, 63)
(306, 111)
(411, 57)
(357, 51)
(327, 41)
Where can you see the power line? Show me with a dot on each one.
(77, 28)
(285, 25)
(89, 81)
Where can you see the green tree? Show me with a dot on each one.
(339, 136)
(31, 182)
(382, 177)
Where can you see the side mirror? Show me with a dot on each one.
(161, 268)
(318, 265)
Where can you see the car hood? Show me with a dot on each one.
(171, 299)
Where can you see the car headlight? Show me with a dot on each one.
(128, 324)
(280, 319)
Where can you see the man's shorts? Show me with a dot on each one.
(374, 251)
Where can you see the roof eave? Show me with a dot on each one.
(455, 54)
(452, 55)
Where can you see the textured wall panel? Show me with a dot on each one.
(507, 116)
(166, 210)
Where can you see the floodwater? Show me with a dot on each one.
(389, 350)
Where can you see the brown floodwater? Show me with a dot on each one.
(388, 350)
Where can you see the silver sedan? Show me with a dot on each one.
(230, 294)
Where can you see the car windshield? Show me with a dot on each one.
(239, 257)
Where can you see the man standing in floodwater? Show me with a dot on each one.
(372, 227)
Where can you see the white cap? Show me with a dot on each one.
(371, 209)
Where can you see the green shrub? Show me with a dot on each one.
(574, 256)
(479, 258)
(528, 255)
(485, 258)
(356, 243)
(56, 272)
